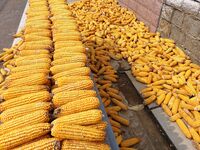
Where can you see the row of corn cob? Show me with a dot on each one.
(77, 118)
(173, 80)
(25, 108)
(105, 76)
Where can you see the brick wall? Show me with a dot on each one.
(180, 20)
(147, 11)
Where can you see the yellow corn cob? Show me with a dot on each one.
(35, 79)
(19, 91)
(69, 96)
(33, 57)
(23, 135)
(184, 128)
(74, 106)
(89, 117)
(194, 134)
(33, 52)
(101, 126)
(65, 38)
(36, 117)
(19, 111)
(33, 61)
(42, 96)
(73, 59)
(175, 117)
(71, 79)
(73, 145)
(30, 67)
(44, 32)
(60, 55)
(77, 132)
(61, 68)
(65, 32)
(23, 74)
(33, 46)
(74, 49)
(83, 71)
(166, 109)
(43, 144)
(175, 106)
(28, 38)
(79, 85)
(67, 44)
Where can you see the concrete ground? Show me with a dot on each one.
(10, 15)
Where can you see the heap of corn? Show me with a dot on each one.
(173, 80)
(78, 120)
(47, 70)
(26, 100)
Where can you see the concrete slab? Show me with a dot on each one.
(10, 14)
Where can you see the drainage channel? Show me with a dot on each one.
(143, 122)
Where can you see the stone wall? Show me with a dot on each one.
(180, 20)
(147, 11)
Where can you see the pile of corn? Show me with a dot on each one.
(77, 117)
(26, 100)
(173, 81)
(46, 72)
(99, 52)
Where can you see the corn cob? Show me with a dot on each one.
(83, 71)
(23, 135)
(19, 111)
(40, 116)
(19, 91)
(33, 46)
(44, 32)
(77, 132)
(101, 126)
(65, 32)
(74, 49)
(60, 55)
(30, 67)
(184, 128)
(79, 85)
(33, 61)
(61, 68)
(23, 74)
(33, 57)
(65, 38)
(130, 142)
(35, 79)
(71, 79)
(73, 107)
(73, 145)
(28, 38)
(42, 96)
(43, 144)
(82, 118)
(69, 96)
(73, 59)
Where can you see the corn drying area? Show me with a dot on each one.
(89, 75)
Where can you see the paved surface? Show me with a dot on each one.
(10, 15)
